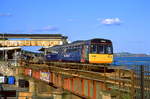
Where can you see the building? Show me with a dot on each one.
(9, 53)
(33, 40)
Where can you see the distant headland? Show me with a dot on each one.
(127, 54)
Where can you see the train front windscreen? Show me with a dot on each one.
(101, 53)
(101, 49)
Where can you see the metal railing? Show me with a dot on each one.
(142, 82)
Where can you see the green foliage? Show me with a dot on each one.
(125, 96)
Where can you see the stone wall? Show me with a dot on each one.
(6, 68)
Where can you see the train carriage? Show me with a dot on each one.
(89, 51)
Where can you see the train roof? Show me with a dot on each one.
(80, 42)
(100, 39)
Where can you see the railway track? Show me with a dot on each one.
(78, 66)
(96, 70)
(101, 68)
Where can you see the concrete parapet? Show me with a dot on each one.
(109, 95)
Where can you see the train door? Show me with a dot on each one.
(85, 53)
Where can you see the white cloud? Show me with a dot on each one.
(111, 21)
(5, 14)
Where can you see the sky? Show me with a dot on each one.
(125, 22)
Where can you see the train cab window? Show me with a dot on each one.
(100, 49)
(108, 49)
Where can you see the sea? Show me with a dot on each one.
(131, 61)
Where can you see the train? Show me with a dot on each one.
(95, 50)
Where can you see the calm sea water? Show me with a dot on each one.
(131, 61)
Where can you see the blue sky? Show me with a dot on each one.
(125, 22)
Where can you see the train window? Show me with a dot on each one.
(68, 50)
(108, 49)
(100, 49)
(71, 50)
(75, 49)
(94, 49)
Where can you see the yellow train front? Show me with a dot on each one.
(97, 51)
(88, 51)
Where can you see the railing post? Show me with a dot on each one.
(142, 82)
(132, 84)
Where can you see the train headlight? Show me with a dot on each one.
(109, 56)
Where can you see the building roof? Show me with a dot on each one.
(9, 48)
(33, 36)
